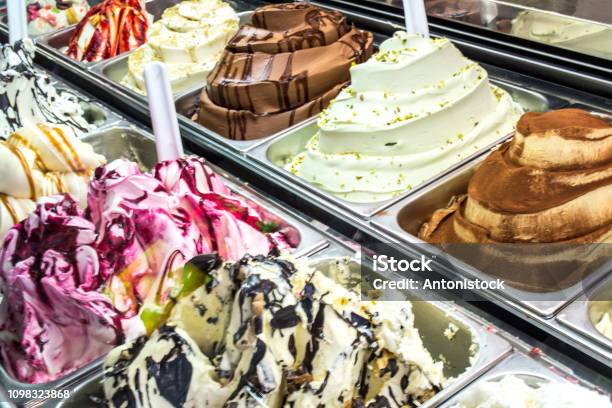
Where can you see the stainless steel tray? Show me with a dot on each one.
(580, 316)
(403, 220)
(116, 68)
(432, 318)
(127, 141)
(534, 373)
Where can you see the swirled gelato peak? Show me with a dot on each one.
(42, 160)
(414, 109)
(552, 184)
(280, 70)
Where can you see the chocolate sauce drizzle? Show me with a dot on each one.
(264, 83)
(28, 92)
(254, 291)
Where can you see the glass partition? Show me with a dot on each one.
(584, 26)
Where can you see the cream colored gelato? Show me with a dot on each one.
(513, 392)
(42, 160)
(605, 325)
(188, 39)
(413, 110)
(47, 15)
(270, 331)
(586, 37)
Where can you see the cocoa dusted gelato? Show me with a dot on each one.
(281, 69)
(552, 184)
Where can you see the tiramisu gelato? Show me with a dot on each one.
(512, 391)
(272, 332)
(552, 184)
(76, 283)
(28, 97)
(48, 15)
(188, 39)
(42, 160)
(280, 70)
(414, 109)
(109, 28)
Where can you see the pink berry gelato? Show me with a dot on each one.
(76, 283)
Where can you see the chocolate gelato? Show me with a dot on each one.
(552, 184)
(280, 70)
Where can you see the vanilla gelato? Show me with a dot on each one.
(188, 39)
(413, 110)
(605, 325)
(48, 15)
(586, 37)
(271, 331)
(42, 160)
(513, 392)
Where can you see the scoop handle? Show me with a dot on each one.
(416, 17)
(17, 19)
(163, 113)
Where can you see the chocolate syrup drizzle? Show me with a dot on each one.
(257, 378)
(252, 60)
(26, 88)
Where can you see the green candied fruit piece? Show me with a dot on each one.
(267, 226)
(194, 274)
(154, 315)
(192, 278)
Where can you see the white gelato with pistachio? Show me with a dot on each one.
(413, 110)
(188, 39)
(270, 331)
(604, 325)
(513, 392)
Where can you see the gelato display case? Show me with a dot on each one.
(319, 136)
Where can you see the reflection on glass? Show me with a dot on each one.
(580, 25)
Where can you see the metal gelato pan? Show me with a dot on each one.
(127, 141)
(534, 373)
(471, 352)
(404, 218)
(278, 151)
(587, 311)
